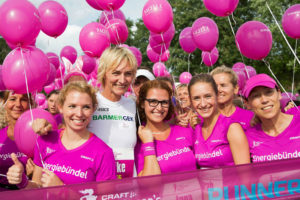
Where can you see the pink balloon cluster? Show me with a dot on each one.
(210, 58)
(158, 19)
(95, 37)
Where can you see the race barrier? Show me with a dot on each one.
(270, 180)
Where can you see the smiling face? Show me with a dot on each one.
(16, 105)
(183, 97)
(52, 104)
(77, 110)
(203, 99)
(226, 90)
(158, 113)
(117, 81)
(139, 81)
(265, 102)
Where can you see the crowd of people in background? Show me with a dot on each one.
(161, 128)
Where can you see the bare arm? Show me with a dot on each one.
(238, 144)
(151, 166)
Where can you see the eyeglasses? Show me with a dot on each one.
(155, 102)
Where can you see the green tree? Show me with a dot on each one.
(4, 50)
(187, 11)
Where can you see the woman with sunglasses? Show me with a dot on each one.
(163, 148)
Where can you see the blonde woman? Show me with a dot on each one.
(114, 119)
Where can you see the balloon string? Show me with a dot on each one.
(210, 59)
(137, 109)
(233, 19)
(269, 67)
(30, 103)
(294, 67)
(3, 175)
(118, 37)
(189, 62)
(27, 88)
(246, 70)
(61, 75)
(287, 42)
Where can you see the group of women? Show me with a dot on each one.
(105, 135)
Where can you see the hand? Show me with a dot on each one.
(41, 126)
(289, 106)
(145, 134)
(194, 119)
(50, 179)
(182, 119)
(15, 172)
(29, 167)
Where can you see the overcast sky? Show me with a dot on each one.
(80, 14)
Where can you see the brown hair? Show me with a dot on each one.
(79, 86)
(203, 78)
(143, 94)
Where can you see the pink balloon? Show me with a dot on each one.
(54, 18)
(158, 47)
(185, 77)
(89, 64)
(165, 56)
(31, 60)
(108, 15)
(110, 4)
(94, 39)
(186, 40)
(155, 57)
(43, 106)
(58, 83)
(51, 75)
(205, 33)
(210, 58)
(254, 40)
(70, 53)
(221, 8)
(13, 46)
(241, 79)
(40, 98)
(54, 59)
(159, 69)
(251, 71)
(2, 86)
(49, 88)
(117, 30)
(164, 37)
(291, 20)
(20, 22)
(94, 4)
(60, 72)
(238, 65)
(137, 53)
(25, 137)
(285, 98)
(152, 55)
(157, 15)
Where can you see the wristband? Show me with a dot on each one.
(148, 149)
(24, 181)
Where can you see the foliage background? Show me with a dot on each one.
(187, 11)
